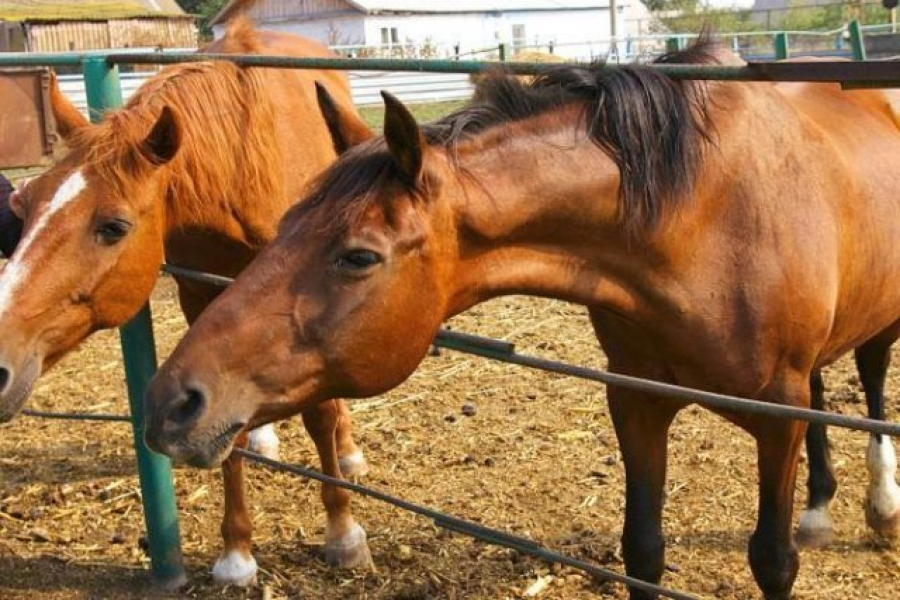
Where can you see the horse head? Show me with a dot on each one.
(91, 242)
(355, 267)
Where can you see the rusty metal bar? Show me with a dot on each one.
(486, 534)
(505, 352)
(883, 72)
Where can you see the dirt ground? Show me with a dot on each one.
(538, 458)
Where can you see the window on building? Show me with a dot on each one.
(389, 35)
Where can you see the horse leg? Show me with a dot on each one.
(345, 540)
(236, 565)
(642, 425)
(816, 527)
(883, 495)
(350, 457)
(773, 557)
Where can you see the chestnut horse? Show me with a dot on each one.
(199, 165)
(732, 237)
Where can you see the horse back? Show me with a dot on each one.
(858, 134)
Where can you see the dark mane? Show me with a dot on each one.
(653, 127)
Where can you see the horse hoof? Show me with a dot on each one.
(349, 552)
(815, 529)
(353, 465)
(264, 441)
(883, 525)
(814, 538)
(234, 568)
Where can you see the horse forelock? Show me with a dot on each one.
(227, 152)
(340, 196)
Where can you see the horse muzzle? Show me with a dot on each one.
(177, 425)
(16, 384)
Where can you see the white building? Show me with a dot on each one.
(575, 28)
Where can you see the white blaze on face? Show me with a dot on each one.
(19, 266)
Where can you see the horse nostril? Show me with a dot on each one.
(189, 407)
(5, 378)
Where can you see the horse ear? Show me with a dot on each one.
(163, 141)
(68, 118)
(347, 129)
(403, 136)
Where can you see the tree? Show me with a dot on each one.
(205, 10)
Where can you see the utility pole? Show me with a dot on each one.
(613, 29)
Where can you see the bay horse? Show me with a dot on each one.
(199, 166)
(727, 236)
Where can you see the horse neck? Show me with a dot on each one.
(538, 214)
(231, 187)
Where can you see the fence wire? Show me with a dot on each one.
(444, 521)
(475, 530)
(505, 352)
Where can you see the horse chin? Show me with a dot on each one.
(14, 399)
(207, 450)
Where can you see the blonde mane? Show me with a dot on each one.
(228, 153)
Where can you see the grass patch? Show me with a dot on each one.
(84, 9)
(374, 115)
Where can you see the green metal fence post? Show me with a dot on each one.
(781, 46)
(856, 41)
(139, 351)
(672, 44)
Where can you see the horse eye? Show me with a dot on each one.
(357, 260)
(112, 231)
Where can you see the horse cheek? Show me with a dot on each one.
(415, 319)
(128, 286)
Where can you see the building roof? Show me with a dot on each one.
(456, 6)
(59, 10)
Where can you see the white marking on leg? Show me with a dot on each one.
(17, 268)
(354, 536)
(354, 464)
(264, 440)
(234, 568)
(349, 551)
(814, 520)
(883, 494)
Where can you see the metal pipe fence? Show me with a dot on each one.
(160, 513)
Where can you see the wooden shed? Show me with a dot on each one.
(57, 26)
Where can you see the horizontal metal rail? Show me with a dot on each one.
(72, 416)
(848, 74)
(882, 72)
(216, 280)
(457, 525)
(472, 344)
(505, 352)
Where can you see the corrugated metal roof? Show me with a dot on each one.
(53, 10)
(455, 6)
